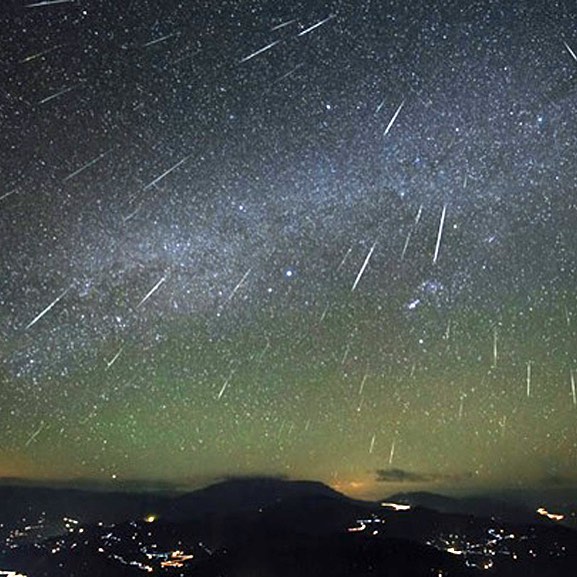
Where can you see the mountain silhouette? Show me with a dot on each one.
(277, 528)
(243, 494)
(474, 505)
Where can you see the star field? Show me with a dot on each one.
(330, 240)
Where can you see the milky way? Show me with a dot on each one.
(330, 240)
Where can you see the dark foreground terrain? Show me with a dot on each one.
(266, 527)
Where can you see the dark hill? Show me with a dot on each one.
(474, 505)
(277, 528)
(242, 495)
(32, 503)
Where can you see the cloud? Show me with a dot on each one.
(404, 476)
(400, 476)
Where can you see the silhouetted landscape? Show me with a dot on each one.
(272, 527)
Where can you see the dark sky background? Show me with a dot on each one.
(327, 240)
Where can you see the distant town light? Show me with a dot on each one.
(552, 516)
(361, 527)
(396, 506)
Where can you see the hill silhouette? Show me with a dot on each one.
(278, 528)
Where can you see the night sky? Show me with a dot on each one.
(323, 240)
